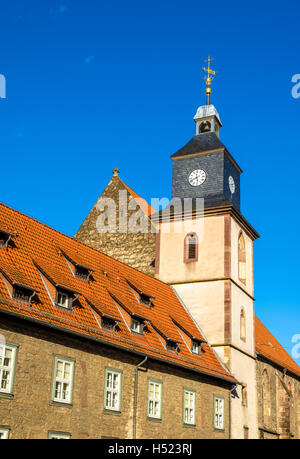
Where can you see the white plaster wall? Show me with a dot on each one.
(235, 232)
(239, 299)
(210, 262)
(205, 302)
(244, 369)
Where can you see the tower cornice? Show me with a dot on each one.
(207, 152)
(231, 210)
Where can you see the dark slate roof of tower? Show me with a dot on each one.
(200, 143)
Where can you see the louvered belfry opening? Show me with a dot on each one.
(191, 248)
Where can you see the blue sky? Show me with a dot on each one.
(96, 84)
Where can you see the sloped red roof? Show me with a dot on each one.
(146, 208)
(268, 346)
(37, 244)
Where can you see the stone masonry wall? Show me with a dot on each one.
(136, 250)
(284, 421)
(29, 413)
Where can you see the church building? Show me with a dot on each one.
(206, 255)
(143, 324)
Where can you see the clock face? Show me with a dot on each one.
(231, 185)
(197, 177)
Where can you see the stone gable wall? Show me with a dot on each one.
(136, 250)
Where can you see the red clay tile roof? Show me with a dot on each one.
(269, 347)
(55, 276)
(37, 242)
(13, 275)
(146, 208)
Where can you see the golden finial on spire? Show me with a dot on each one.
(209, 78)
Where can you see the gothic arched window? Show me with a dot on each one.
(242, 259)
(191, 248)
(266, 398)
(243, 325)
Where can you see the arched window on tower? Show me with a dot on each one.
(191, 248)
(242, 259)
(243, 325)
(266, 398)
(204, 127)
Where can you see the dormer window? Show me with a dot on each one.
(5, 238)
(108, 324)
(63, 299)
(137, 326)
(82, 273)
(196, 347)
(143, 298)
(21, 293)
(172, 345)
(77, 266)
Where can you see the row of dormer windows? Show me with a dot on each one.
(65, 298)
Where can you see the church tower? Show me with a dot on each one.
(209, 258)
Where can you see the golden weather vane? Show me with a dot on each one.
(209, 78)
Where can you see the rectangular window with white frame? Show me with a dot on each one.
(219, 403)
(112, 396)
(4, 433)
(63, 380)
(59, 436)
(189, 407)
(154, 399)
(137, 326)
(7, 367)
(63, 299)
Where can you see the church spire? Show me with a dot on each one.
(207, 118)
(209, 79)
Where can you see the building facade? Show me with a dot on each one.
(206, 255)
(31, 410)
(92, 348)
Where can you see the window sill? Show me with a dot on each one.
(219, 430)
(62, 404)
(193, 426)
(149, 418)
(6, 395)
(63, 308)
(137, 333)
(108, 411)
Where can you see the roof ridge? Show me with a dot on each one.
(278, 348)
(138, 195)
(81, 243)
